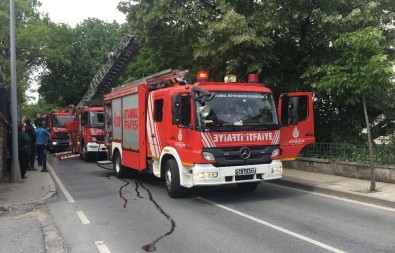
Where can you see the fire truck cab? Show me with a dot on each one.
(207, 133)
(86, 132)
(59, 138)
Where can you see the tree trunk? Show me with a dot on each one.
(370, 145)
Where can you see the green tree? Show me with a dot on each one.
(41, 107)
(29, 27)
(361, 70)
(170, 31)
(74, 56)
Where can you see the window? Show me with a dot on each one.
(294, 110)
(303, 108)
(84, 117)
(185, 110)
(158, 110)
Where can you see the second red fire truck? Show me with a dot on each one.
(207, 133)
(86, 132)
(55, 122)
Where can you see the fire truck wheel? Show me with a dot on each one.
(84, 153)
(247, 187)
(172, 177)
(118, 169)
(73, 151)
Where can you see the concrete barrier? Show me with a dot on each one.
(384, 173)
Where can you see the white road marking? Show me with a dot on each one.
(64, 190)
(102, 247)
(342, 199)
(83, 218)
(304, 238)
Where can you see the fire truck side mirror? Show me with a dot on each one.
(176, 109)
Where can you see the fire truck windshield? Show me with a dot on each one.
(61, 120)
(245, 109)
(96, 119)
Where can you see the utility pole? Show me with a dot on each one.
(16, 173)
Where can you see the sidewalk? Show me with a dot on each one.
(343, 187)
(36, 188)
(39, 187)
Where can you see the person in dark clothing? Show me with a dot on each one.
(24, 150)
(42, 138)
(29, 129)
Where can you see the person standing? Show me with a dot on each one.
(42, 137)
(23, 150)
(29, 129)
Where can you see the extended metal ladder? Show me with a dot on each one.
(108, 75)
(165, 78)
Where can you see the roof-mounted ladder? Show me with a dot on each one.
(108, 75)
(163, 79)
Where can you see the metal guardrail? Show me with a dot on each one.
(383, 154)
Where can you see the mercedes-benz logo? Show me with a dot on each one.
(245, 153)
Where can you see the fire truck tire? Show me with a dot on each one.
(73, 150)
(119, 170)
(247, 187)
(84, 154)
(172, 178)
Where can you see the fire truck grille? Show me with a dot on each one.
(99, 137)
(247, 155)
(62, 135)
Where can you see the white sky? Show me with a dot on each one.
(75, 11)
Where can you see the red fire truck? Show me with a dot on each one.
(59, 138)
(207, 133)
(86, 132)
(55, 122)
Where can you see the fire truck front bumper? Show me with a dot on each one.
(92, 147)
(58, 143)
(207, 174)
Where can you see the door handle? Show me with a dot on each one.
(173, 138)
(152, 135)
(309, 134)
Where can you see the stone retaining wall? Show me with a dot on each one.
(3, 145)
(384, 173)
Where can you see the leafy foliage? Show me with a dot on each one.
(363, 68)
(28, 29)
(80, 54)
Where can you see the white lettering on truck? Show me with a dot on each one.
(243, 137)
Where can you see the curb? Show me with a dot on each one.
(360, 197)
(52, 191)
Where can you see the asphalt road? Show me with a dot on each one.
(96, 212)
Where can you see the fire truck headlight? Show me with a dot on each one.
(94, 139)
(208, 156)
(275, 153)
(277, 170)
(207, 174)
(54, 143)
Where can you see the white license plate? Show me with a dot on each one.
(246, 171)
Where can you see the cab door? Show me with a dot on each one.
(156, 124)
(296, 116)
